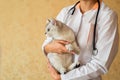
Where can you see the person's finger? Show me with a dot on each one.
(63, 42)
(64, 50)
(48, 64)
(47, 60)
(72, 52)
(51, 67)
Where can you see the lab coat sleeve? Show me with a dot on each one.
(107, 45)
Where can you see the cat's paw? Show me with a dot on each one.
(74, 65)
(63, 70)
(71, 66)
(69, 47)
(77, 65)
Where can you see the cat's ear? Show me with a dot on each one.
(52, 21)
(48, 21)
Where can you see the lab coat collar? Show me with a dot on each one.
(95, 7)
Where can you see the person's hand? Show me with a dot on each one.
(53, 72)
(57, 46)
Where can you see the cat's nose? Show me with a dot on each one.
(45, 32)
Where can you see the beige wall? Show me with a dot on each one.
(22, 33)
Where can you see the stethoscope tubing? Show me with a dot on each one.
(95, 50)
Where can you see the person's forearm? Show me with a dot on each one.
(56, 46)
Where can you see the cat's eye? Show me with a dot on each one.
(48, 30)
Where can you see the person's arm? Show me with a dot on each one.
(107, 45)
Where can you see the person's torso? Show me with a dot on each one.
(83, 27)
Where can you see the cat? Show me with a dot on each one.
(60, 31)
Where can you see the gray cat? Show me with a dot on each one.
(59, 31)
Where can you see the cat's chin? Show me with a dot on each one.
(48, 35)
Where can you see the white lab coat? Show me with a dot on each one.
(92, 66)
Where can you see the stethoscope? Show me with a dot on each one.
(72, 10)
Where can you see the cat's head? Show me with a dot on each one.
(52, 27)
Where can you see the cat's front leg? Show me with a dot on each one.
(74, 65)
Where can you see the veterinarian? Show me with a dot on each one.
(97, 50)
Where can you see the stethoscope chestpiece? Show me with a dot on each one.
(95, 52)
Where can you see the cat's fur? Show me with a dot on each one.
(59, 31)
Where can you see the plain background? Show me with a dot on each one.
(22, 26)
